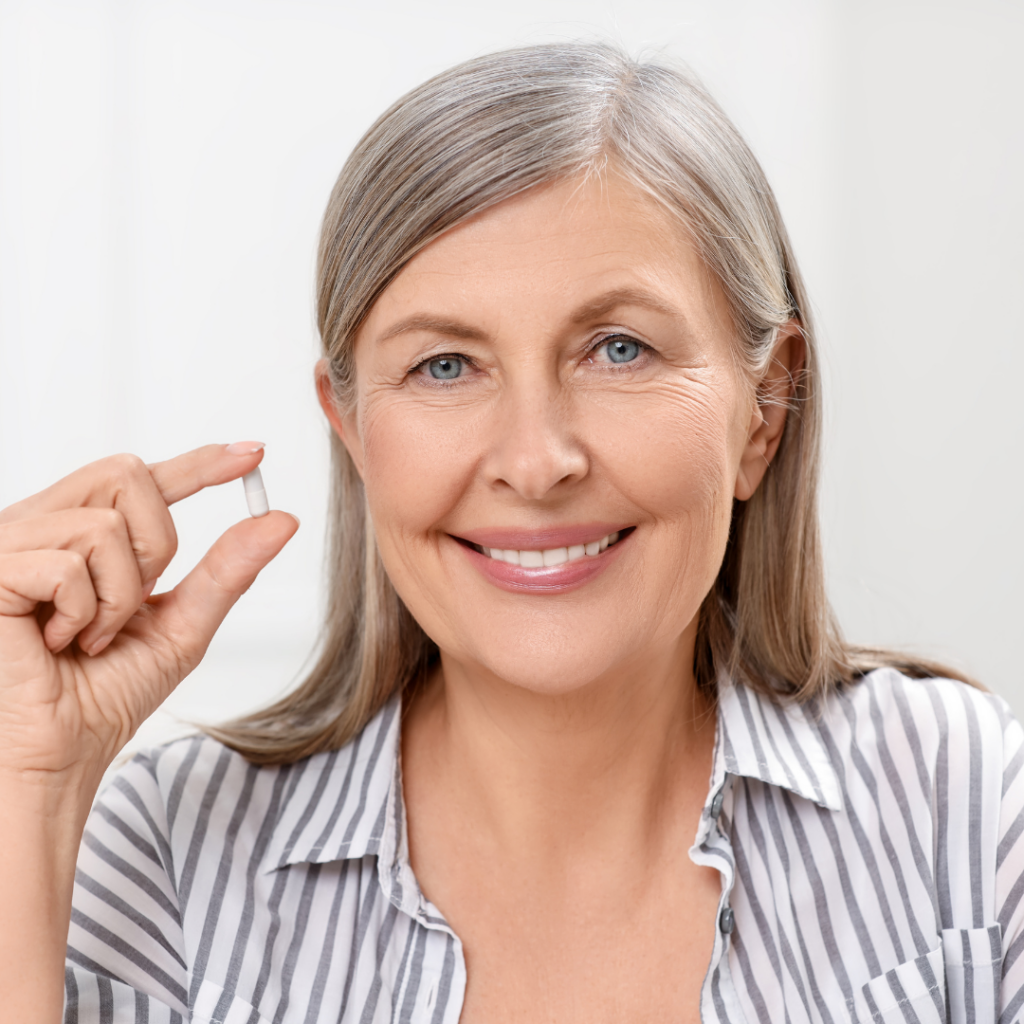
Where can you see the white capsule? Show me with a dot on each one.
(255, 495)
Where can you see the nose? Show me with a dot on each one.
(535, 450)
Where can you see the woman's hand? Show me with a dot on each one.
(85, 653)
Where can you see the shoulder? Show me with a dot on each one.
(195, 794)
(922, 726)
(169, 804)
(934, 708)
(182, 779)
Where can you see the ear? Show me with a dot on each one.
(343, 424)
(774, 393)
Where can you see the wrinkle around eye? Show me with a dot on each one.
(696, 388)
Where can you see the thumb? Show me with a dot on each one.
(189, 615)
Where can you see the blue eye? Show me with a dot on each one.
(622, 350)
(445, 367)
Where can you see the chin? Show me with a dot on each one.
(548, 667)
(553, 679)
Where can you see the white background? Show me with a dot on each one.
(163, 169)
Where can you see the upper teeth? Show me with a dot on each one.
(551, 556)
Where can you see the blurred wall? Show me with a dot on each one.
(163, 168)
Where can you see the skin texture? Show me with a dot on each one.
(86, 654)
(556, 764)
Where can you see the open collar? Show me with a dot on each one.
(347, 804)
(776, 742)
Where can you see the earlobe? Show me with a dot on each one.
(774, 394)
(753, 463)
(342, 425)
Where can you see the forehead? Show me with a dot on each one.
(557, 244)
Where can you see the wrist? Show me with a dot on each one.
(46, 801)
(41, 821)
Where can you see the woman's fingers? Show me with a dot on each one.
(208, 466)
(121, 482)
(113, 516)
(100, 536)
(30, 578)
(187, 617)
(141, 494)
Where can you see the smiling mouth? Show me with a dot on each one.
(551, 556)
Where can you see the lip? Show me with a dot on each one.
(541, 540)
(553, 579)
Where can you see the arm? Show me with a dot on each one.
(85, 657)
(41, 824)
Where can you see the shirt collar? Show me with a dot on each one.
(347, 804)
(777, 743)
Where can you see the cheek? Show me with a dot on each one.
(672, 456)
(416, 464)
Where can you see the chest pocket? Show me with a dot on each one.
(914, 991)
(974, 970)
(956, 983)
(212, 1006)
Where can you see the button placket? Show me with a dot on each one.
(715, 850)
(716, 803)
(726, 918)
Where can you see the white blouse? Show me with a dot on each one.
(869, 847)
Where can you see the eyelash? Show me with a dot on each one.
(615, 336)
(420, 368)
(437, 382)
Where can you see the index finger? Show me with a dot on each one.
(213, 464)
(142, 493)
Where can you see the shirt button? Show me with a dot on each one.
(716, 803)
(726, 920)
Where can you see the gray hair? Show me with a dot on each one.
(477, 135)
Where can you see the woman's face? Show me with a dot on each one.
(557, 373)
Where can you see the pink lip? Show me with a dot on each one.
(541, 540)
(553, 579)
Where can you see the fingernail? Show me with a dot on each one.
(244, 447)
(98, 645)
(298, 521)
(148, 589)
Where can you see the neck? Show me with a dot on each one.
(551, 771)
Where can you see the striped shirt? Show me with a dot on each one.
(869, 847)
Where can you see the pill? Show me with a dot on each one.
(255, 495)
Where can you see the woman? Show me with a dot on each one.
(584, 742)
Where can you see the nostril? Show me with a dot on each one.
(536, 455)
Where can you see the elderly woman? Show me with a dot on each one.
(584, 743)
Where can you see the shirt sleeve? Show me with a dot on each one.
(126, 950)
(1010, 872)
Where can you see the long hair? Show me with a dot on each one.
(477, 135)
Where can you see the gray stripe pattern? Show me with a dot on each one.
(870, 845)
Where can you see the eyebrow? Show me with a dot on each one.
(604, 304)
(589, 311)
(434, 325)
